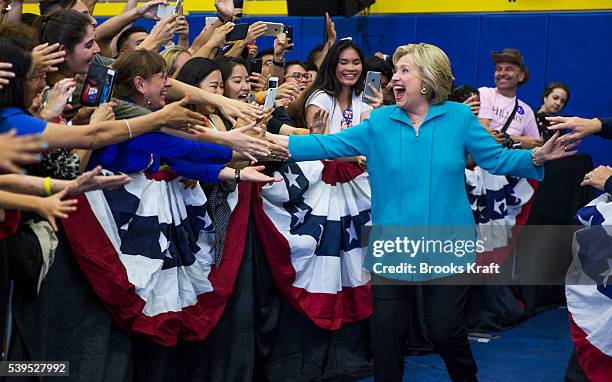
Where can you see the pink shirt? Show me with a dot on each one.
(497, 108)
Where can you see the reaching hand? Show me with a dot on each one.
(319, 122)
(254, 174)
(104, 112)
(45, 57)
(598, 177)
(217, 39)
(5, 74)
(257, 29)
(580, 127)
(92, 180)
(288, 91)
(182, 27)
(225, 8)
(234, 109)
(58, 98)
(53, 207)
(258, 82)
(330, 27)
(15, 151)
(176, 116)
(149, 10)
(377, 100)
(246, 145)
(162, 33)
(554, 148)
(281, 45)
(83, 115)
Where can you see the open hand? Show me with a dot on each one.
(53, 207)
(45, 58)
(5, 73)
(254, 174)
(554, 148)
(598, 177)
(17, 150)
(92, 180)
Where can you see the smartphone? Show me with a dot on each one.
(164, 10)
(209, 21)
(272, 82)
(270, 98)
(251, 97)
(238, 33)
(288, 30)
(178, 8)
(98, 85)
(274, 29)
(255, 65)
(372, 78)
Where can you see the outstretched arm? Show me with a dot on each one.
(349, 142)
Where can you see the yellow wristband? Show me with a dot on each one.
(48, 185)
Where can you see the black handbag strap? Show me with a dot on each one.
(509, 121)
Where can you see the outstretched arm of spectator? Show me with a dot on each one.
(582, 127)
(330, 27)
(113, 26)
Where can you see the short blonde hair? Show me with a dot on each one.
(171, 54)
(433, 65)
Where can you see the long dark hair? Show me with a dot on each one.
(228, 64)
(326, 78)
(66, 27)
(14, 94)
(196, 69)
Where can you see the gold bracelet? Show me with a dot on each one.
(48, 186)
(128, 127)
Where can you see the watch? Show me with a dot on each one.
(279, 63)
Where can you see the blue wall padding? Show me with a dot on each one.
(573, 47)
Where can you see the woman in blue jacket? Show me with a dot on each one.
(416, 154)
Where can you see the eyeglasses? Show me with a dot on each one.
(162, 75)
(37, 76)
(298, 76)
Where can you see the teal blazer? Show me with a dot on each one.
(419, 179)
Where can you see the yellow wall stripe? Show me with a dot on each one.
(279, 7)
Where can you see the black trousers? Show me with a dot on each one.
(445, 320)
(574, 371)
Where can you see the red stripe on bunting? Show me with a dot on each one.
(596, 364)
(102, 267)
(326, 310)
(339, 172)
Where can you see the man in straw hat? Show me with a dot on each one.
(498, 104)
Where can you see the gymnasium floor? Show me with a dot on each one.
(536, 350)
